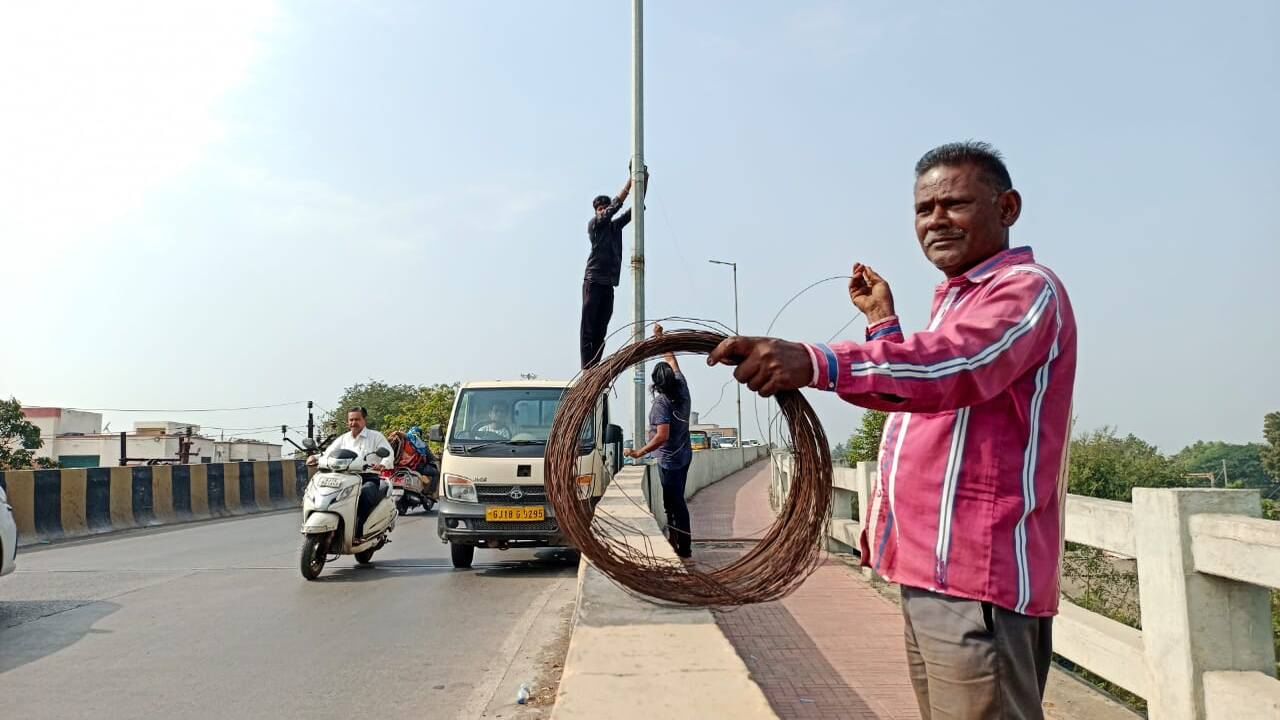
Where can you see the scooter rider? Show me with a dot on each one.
(363, 440)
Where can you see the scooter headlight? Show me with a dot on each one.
(457, 487)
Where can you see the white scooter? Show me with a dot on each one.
(329, 512)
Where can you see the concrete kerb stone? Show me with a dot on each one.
(631, 657)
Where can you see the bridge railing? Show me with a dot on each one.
(1206, 563)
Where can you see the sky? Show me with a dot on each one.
(246, 203)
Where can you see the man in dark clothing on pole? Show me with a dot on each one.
(604, 266)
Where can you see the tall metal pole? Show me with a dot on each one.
(736, 331)
(637, 205)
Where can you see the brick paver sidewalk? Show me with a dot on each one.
(833, 649)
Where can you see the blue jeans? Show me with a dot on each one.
(678, 530)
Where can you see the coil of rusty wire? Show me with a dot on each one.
(786, 555)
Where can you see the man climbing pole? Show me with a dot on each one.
(604, 266)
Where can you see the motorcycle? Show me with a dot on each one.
(414, 480)
(408, 490)
(329, 509)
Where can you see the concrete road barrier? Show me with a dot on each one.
(54, 504)
(709, 466)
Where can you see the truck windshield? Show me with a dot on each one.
(516, 416)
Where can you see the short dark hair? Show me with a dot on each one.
(364, 413)
(600, 200)
(969, 152)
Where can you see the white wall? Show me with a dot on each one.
(78, 421)
(709, 466)
(232, 450)
(107, 448)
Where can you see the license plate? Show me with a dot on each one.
(515, 514)
(396, 492)
(329, 482)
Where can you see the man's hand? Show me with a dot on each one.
(632, 454)
(870, 293)
(766, 365)
(657, 331)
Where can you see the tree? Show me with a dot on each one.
(1243, 462)
(1106, 466)
(864, 444)
(394, 407)
(380, 399)
(1271, 451)
(18, 437)
(431, 405)
(840, 455)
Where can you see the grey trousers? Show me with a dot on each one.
(972, 660)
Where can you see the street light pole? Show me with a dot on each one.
(734, 265)
(637, 210)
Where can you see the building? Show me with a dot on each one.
(717, 432)
(75, 439)
(243, 450)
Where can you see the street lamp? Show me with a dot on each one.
(734, 265)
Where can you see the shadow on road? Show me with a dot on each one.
(24, 639)
(551, 562)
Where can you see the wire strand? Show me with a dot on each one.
(787, 553)
(187, 410)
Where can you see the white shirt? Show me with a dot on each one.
(366, 442)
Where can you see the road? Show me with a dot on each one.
(214, 620)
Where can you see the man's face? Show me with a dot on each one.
(600, 209)
(960, 219)
(355, 423)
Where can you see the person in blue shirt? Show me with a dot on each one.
(669, 438)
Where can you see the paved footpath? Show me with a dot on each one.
(833, 649)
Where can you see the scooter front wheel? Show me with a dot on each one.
(313, 556)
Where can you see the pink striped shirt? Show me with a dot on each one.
(972, 476)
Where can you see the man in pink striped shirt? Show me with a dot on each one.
(967, 515)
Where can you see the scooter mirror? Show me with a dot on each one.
(381, 452)
(309, 444)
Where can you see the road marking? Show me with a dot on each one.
(488, 684)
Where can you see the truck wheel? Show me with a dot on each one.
(462, 555)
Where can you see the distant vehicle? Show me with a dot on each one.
(8, 536)
(726, 442)
(750, 443)
(699, 440)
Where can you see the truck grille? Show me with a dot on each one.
(501, 494)
(548, 525)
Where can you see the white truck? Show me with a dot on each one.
(491, 467)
